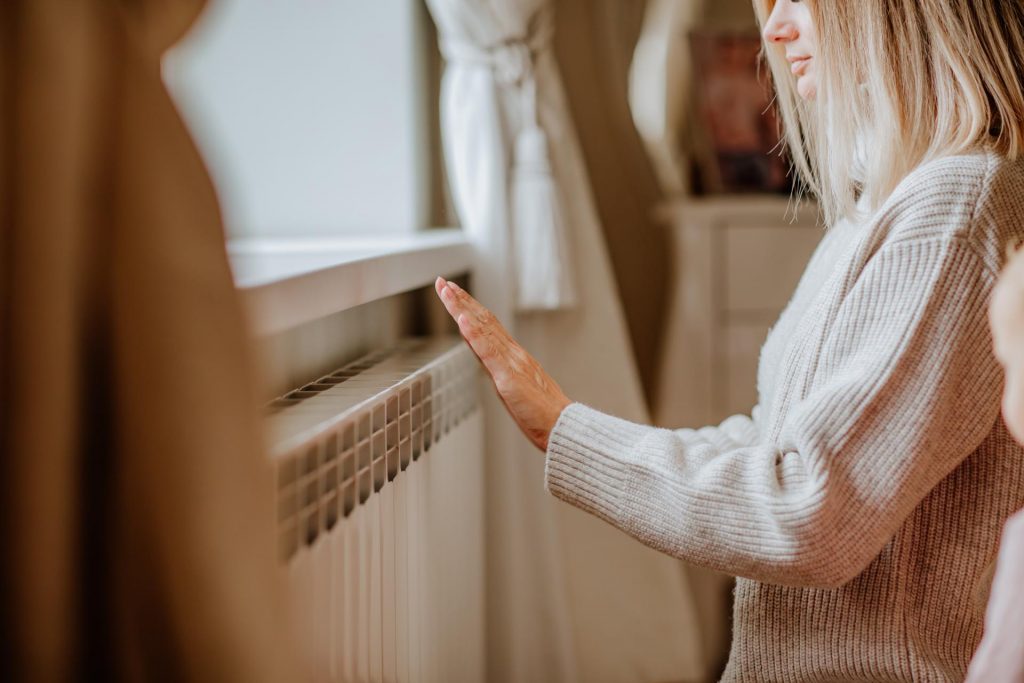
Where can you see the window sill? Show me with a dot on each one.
(288, 282)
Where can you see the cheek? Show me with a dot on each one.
(808, 31)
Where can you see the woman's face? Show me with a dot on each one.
(1006, 315)
(789, 28)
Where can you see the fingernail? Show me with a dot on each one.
(455, 286)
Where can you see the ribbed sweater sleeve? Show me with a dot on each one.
(898, 395)
(734, 432)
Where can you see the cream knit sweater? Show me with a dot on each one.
(862, 502)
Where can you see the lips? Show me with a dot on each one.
(798, 64)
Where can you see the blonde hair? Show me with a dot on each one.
(907, 81)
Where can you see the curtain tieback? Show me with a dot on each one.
(544, 278)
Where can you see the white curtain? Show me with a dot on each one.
(569, 598)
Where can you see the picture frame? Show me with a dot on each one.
(736, 129)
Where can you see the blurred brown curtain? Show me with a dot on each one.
(594, 41)
(135, 515)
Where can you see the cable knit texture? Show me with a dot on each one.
(862, 501)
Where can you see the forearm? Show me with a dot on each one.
(731, 510)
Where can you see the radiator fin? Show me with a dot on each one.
(380, 514)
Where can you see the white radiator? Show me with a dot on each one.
(380, 512)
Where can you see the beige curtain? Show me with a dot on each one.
(594, 46)
(135, 501)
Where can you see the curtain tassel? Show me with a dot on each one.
(543, 278)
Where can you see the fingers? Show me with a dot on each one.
(455, 302)
(458, 302)
(473, 308)
(447, 293)
(476, 321)
(490, 342)
(485, 335)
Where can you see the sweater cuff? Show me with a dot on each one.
(587, 460)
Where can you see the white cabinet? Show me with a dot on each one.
(736, 263)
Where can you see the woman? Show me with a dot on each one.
(1001, 654)
(861, 503)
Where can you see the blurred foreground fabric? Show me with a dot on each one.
(135, 514)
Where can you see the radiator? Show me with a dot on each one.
(380, 515)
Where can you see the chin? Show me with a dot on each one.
(807, 89)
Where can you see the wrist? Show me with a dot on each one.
(556, 413)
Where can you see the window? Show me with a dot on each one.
(314, 116)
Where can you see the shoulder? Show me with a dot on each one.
(976, 200)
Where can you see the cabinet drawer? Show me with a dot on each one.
(763, 265)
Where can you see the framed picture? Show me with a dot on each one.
(736, 129)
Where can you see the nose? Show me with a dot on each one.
(780, 27)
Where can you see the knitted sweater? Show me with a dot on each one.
(861, 503)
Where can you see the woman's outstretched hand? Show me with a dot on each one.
(533, 399)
